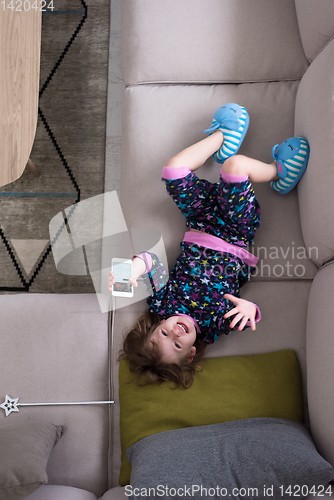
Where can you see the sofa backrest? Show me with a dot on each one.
(316, 25)
(314, 119)
(211, 42)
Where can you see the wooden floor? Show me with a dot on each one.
(72, 144)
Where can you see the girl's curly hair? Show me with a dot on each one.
(146, 363)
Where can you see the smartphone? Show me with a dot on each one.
(122, 271)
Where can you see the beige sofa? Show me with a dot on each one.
(181, 61)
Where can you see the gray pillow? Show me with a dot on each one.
(24, 452)
(252, 458)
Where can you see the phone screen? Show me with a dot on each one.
(122, 273)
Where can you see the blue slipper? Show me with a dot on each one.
(233, 121)
(292, 158)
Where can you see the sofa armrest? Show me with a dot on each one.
(320, 365)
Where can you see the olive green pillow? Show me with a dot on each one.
(228, 388)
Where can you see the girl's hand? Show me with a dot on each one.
(133, 282)
(111, 281)
(245, 311)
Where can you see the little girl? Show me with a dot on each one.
(201, 299)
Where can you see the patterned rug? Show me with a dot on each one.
(68, 151)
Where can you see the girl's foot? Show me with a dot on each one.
(292, 159)
(233, 121)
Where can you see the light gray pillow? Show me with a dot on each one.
(24, 452)
(251, 458)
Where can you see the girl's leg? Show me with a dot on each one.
(194, 156)
(236, 200)
(193, 196)
(257, 171)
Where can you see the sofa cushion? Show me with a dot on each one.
(259, 458)
(315, 121)
(227, 388)
(160, 121)
(320, 365)
(55, 492)
(216, 41)
(316, 25)
(117, 493)
(60, 343)
(25, 450)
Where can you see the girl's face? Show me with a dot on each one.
(175, 337)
